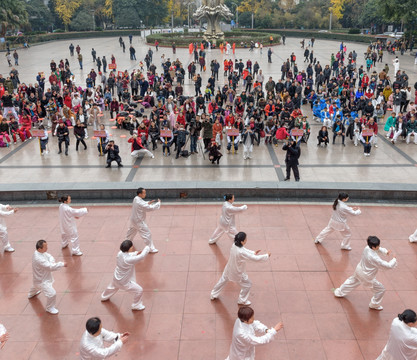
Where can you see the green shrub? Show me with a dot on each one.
(354, 31)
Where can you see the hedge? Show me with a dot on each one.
(236, 37)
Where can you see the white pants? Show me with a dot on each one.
(245, 286)
(354, 281)
(356, 138)
(409, 135)
(413, 237)
(132, 287)
(5, 240)
(396, 134)
(144, 232)
(71, 239)
(48, 291)
(374, 139)
(221, 229)
(346, 233)
(247, 151)
(141, 151)
(385, 355)
(12, 110)
(396, 109)
(390, 131)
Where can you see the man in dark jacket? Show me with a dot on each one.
(112, 152)
(181, 135)
(291, 158)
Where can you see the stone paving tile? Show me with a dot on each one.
(180, 322)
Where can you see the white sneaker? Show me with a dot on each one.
(79, 253)
(212, 298)
(374, 307)
(153, 251)
(139, 308)
(247, 303)
(64, 247)
(212, 242)
(9, 249)
(376, 145)
(31, 296)
(338, 293)
(53, 311)
(153, 157)
(410, 239)
(348, 248)
(317, 241)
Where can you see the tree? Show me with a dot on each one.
(398, 10)
(82, 22)
(371, 15)
(13, 15)
(66, 10)
(40, 16)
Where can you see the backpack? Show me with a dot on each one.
(185, 153)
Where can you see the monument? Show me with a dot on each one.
(213, 11)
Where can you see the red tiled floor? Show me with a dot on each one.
(180, 322)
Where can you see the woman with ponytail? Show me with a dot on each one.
(402, 342)
(227, 219)
(235, 269)
(67, 216)
(338, 221)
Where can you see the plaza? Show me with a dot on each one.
(180, 322)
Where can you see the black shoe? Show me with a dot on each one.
(76, 149)
(85, 147)
(59, 152)
(343, 144)
(176, 156)
(108, 166)
(286, 179)
(66, 153)
(297, 179)
(120, 165)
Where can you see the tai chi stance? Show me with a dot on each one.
(402, 342)
(125, 275)
(137, 219)
(413, 237)
(227, 219)
(67, 216)
(5, 210)
(42, 266)
(244, 339)
(235, 269)
(4, 336)
(338, 221)
(366, 271)
(92, 341)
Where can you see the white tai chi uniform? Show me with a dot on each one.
(4, 211)
(235, 270)
(2, 331)
(227, 221)
(365, 274)
(402, 342)
(42, 266)
(244, 339)
(125, 277)
(68, 226)
(413, 237)
(137, 221)
(92, 347)
(338, 222)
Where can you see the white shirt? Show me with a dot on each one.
(236, 266)
(339, 216)
(92, 347)
(402, 342)
(4, 212)
(67, 217)
(244, 339)
(42, 265)
(125, 267)
(139, 209)
(371, 262)
(228, 213)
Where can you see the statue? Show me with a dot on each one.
(213, 10)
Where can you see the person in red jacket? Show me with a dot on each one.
(269, 109)
(373, 126)
(137, 147)
(26, 125)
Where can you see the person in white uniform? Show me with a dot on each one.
(366, 271)
(5, 210)
(92, 342)
(402, 342)
(67, 216)
(4, 336)
(235, 269)
(244, 337)
(227, 219)
(125, 275)
(43, 264)
(137, 219)
(413, 237)
(338, 221)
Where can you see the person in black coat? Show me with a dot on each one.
(112, 152)
(291, 158)
(62, 133)
(323, 136)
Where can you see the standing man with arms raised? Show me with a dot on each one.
(137, 219)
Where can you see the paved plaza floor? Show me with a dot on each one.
(22, 163)
(180, 322)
